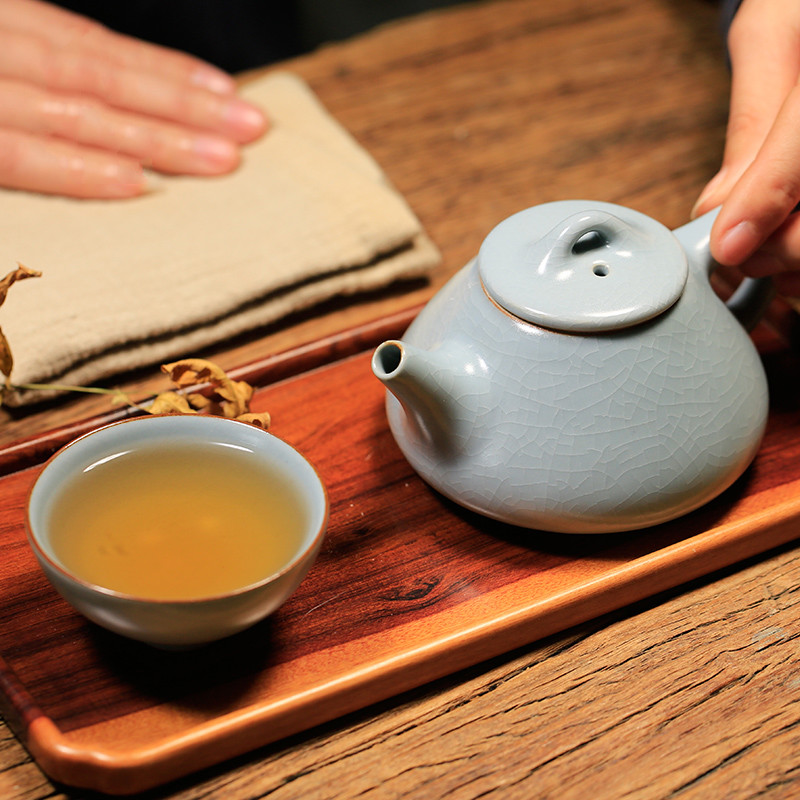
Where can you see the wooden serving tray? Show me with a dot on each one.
(408, 588)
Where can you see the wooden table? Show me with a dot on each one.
(475, 113)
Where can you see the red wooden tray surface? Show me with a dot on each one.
(408, 588)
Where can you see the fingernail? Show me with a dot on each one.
(709, 190)
(737, 243)
(213, 80)
(219, 152)
(245, 119)
(125, 180)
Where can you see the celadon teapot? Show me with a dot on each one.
(581, 375)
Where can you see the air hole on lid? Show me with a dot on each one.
(601, 270)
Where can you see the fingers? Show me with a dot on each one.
(766, 194)
(83, 109)
(32, 59)
(765, 63)
(153, 143)
(759, 182)
(765, 60)
(54, 167)
(65, 29)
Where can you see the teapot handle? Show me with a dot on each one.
(751, 298)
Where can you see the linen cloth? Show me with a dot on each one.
(126, 283)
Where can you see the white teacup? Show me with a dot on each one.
(151, 465)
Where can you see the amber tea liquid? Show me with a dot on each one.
(177, 523)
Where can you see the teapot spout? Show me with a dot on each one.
(414, 378)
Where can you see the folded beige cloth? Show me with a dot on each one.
(307, 216)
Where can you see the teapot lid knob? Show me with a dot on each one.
(580, 266)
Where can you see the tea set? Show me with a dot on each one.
(579, 375)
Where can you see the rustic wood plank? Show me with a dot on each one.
(474, 114)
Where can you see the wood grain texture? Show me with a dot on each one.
(407, 588)
(692, 695)
(474, 114)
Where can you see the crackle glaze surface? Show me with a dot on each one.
(576, 432)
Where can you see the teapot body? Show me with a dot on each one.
(578, 432)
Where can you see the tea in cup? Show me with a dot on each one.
(177, 530)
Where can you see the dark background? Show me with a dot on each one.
(243, 34)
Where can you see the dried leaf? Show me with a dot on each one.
(233, 397)
(194, 371)
(223, 396)
(200, 402)
(170, 403)
(6, 359)
(239, 403)
(218, 405)
(260, 420)
(20, 273)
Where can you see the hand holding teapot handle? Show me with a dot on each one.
(758, 184)
(751, 298)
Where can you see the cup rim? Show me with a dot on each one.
(303, 553)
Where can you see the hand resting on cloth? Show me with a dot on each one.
(309, 215)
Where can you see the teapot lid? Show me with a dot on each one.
(582, 266)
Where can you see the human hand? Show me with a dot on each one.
(758, 184)
(84, 110)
